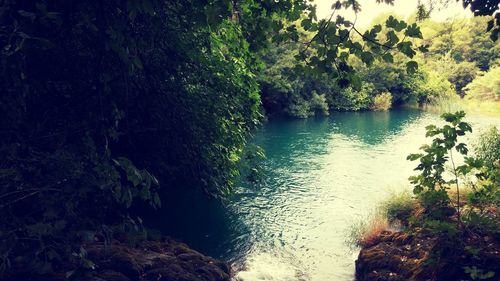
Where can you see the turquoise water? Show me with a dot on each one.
(321, 176)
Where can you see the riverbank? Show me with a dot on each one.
(164, 260)
(426, 249)
(471, 107)
(402, 256)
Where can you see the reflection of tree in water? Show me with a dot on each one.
(372, 127)
(283, 137)
(286, 138)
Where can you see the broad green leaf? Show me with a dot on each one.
(411, 67)
(413, 31)
(406, 48)
(388, 58)
(367, 58)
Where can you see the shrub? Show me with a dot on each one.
(352, 99)
(300, 108)
(487, 146)
(318, 104)
(382, 101)
(461, 75)
(486, 86)
(303, 108)
(430, 185)
(434, 88)
(485, 196)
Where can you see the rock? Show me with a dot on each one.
(153, 261)
(396, 256)
(421, 256)
(166, 260)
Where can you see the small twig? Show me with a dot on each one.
(458, 190)
(320, 29)
(25, 190)
(35, 191)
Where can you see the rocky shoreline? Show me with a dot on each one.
(165, 260)
(421, 256)
(393, 256)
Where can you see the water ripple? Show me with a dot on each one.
(321, 176)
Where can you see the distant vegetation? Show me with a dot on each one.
(461, 60)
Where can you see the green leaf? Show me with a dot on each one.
(391, 22)
(411, 67)
(376, 28)
(401, 25)
(462, 148)
(388, 58)
(392, 38)
(397, 25)
(488, 275)
(413, 31)
(413, 157)
(306, 24)
(423, 48)
(406, 48)
(367, 58)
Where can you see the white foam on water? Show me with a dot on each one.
(266, 266)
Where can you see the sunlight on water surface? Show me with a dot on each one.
(322, 175)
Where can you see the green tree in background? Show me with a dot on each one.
(486, 87)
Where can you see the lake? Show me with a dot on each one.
(321, 176)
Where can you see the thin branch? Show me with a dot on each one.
(29, 189)
(373, 41)
(320, 29)
(459, 222)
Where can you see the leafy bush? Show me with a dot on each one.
(382, 101)
(486, 87)
(485, 195)
(318, 104)
(476, 217)
(97, 97)
(434, 88)
(487, 147)
(300, 108)
(351, 99)
(461, 75)
(430, 185)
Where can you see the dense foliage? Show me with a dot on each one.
(97, 97)
(455, 54)
(486, 86)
